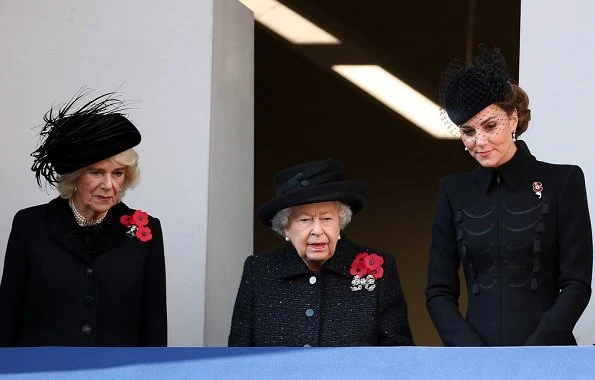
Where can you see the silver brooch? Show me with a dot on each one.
(131, 230)
(359, 283)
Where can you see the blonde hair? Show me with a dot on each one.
(67, 182)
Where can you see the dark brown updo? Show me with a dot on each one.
(519, 100)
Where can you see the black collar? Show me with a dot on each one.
(511, 173)
(64, 230)
(293, 265)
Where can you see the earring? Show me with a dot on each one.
(339, 237)
(286, 238)
(514, 135)
(466, 149)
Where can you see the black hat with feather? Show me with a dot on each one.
(73, 139)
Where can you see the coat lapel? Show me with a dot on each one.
(292, 265)
(113, 232)
(64, 231)
(512, 172)
(341, 261)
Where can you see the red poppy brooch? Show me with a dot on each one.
(366, 269)
(137, 225)
(537, 189)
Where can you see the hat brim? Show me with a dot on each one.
(352, 193)
(116, 135)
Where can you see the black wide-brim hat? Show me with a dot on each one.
(313, 182)
(74, 140)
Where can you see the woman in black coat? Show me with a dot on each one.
(85, 269)
(520, 227)
(318, 289)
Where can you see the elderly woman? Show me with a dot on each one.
(318, 289)
(519, 226)
(85, 269)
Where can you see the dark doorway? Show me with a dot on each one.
(305, 112)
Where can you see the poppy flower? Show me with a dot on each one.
(537, 187)
(377, 272)
(144, 234)
(361, 257)
(373, 261)
(140, 218)
(358, 268)
(126, 220)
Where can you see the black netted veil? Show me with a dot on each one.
(466, 90)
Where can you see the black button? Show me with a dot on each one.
(89, 273)
(88, 301)
(87, 330)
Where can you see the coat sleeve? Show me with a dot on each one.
(153, 330)
(13, 287)
(243, 311)
(443, 287)
(393, 325)
(575, 263)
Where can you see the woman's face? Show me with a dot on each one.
(98, 188)
(488, 136)
(314, 229)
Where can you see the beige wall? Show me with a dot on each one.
(188, 64)
(557, 53)
(231, 164)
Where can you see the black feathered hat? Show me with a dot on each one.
(318, 181)
(466, 90)
(72, 140)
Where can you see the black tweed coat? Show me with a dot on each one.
(523, 235)
(281, 303)
(62, 287)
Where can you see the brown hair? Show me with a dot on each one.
(519, 100)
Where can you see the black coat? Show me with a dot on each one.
(65, 287)
(281, 303)
(527, 259)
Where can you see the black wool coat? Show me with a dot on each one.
(523, 235)
(282, 303)
(62, 288)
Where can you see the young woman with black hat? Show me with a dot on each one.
(319, 288)
(85, 269)
(520, 227)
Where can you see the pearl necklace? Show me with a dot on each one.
(81, 220)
